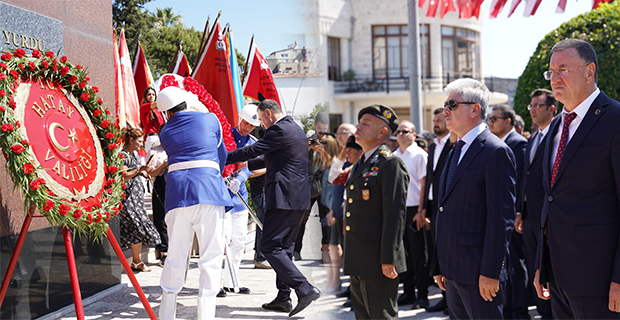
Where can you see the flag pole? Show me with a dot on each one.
(247, 58)
(206, 30)
(174, 59)
(204, 45)
(135, 56)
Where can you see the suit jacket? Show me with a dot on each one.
(375, 214)
(476, 213)
(286, 158)
(433, 175)
(582, 210)
(517, 144)
(531, 195)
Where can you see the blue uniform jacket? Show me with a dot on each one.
(189, 136)
(243, 174)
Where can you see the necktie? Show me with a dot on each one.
(359, 162)
(568, 118)
(456, 154)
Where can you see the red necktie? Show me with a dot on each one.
(568, 118)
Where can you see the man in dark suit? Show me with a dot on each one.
(375, 212)
(437, 155)
(578, 252)
(531, 195)
(502, 124)
(476, 208)
(287, 197)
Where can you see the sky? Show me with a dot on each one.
(507, 43)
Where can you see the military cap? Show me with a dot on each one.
(352, 144)
(382, 112)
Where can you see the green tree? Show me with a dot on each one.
(167, 17)
(161, 44)
(308, 121)
(240, 62)
(136, 20)
(600, 27)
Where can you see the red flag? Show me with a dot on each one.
(446, 6)
(141, 72)
(465, 8)
(118, 84)
(530, 7)
(259, 79)
(561, 7)
(213, 72)
(513, 7)
(421, 4)
(496, 7)
(476, 8)
(181, 67)
(131, 105)
(432, 8)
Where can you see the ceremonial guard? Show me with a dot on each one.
(236, 222)
(375, 213)
(196, 199)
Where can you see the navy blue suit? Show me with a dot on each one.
(580, 256)
(474, 223)
(516, 286)
(287, 197)
(529, 203)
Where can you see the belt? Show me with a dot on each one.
(151, 134)
(193, 164)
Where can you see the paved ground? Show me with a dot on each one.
(121, 302)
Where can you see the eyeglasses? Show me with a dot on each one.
(451, 104)
(403, 131)
(494, 118)
(535, 106)
(563, 72)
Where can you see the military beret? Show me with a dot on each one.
(382, 112)
(352, 144)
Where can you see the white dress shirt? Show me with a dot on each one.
(415, 159)
(470, 136)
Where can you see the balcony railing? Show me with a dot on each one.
(368, 84)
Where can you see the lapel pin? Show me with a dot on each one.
(597, 112)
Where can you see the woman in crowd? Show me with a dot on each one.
(150, 118)
(136, 228)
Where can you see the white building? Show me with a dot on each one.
(362, 57)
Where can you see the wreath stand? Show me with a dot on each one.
(75, 285)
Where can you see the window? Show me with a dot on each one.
(390, 51)
(333, 59)
(460, 50)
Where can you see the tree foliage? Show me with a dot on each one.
(308, 121)
(600, 27)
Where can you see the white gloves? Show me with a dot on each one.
(234, 185)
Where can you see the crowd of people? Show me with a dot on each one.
(497, 217)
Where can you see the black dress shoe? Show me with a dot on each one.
(222, 293)
(345, 293)
(305, 301)
(242, 290)
(284, 306)
(405, 299)
(420, 303)
(440, 306)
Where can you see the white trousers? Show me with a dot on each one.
(236, 231)
(207, 221)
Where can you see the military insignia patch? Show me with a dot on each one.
(375, 159)
(374, 169)
(366, 194)
(387, 114)
(386, 153)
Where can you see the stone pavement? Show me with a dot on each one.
(121, 301)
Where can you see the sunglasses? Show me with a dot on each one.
(402, 131)
(452, 105)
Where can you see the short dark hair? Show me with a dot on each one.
(519, 122)
(270, 104)
(321, 117)
(179, 107)
(584, 49)
(437, 111)
(549, 97)
(507, 112)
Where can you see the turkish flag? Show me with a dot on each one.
(530, 7)
(131, 103)
(465, 8)
(213, 73)
(142, 75)
(432, 8)
(513, 7)
(446, 6)
(118, 84)
(476, 8)
(259, 79)
(181, 67)
(496, 7)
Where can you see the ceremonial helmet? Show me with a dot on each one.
(170, 97)
(248, 113)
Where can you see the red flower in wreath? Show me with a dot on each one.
(12, 104)
(18, 124)
(89, 219)
(3, 66)
(19, 53)
(6, 56)
(36, 53)
(64, 70)
(49, 54)
(101, 102)
(31, 65)
(63, 59)
(2, 76)
(2, 108)
(95, 89)
(105, 124)
(112, 146)
(77, 214)
(50, 193)
(25, 143)
(82, 84)
(45, 64)
(77, 66)
(112, 169)
(28, 168)
(17, 148)
(97, 112)
(123, 185)
(107, 216)
(72, 79)
(85, 96)
(49, 204)
(99, 217)
(14, 74)
(64, 209)
(21, 67)
(109, 135)
(7, 126)
(35, 184)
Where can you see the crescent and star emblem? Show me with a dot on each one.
(72, 135)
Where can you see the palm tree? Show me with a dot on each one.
(167, 17)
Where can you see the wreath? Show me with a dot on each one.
(86, 210)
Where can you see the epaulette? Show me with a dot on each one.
(385, 153)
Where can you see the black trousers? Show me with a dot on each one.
(279, 233)
(374, 297)
(258, 202)
(517, 288)
(567, 305)
(467, 303)
(530, 242)
(418, 264)
(326, 231)
(159, 212)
